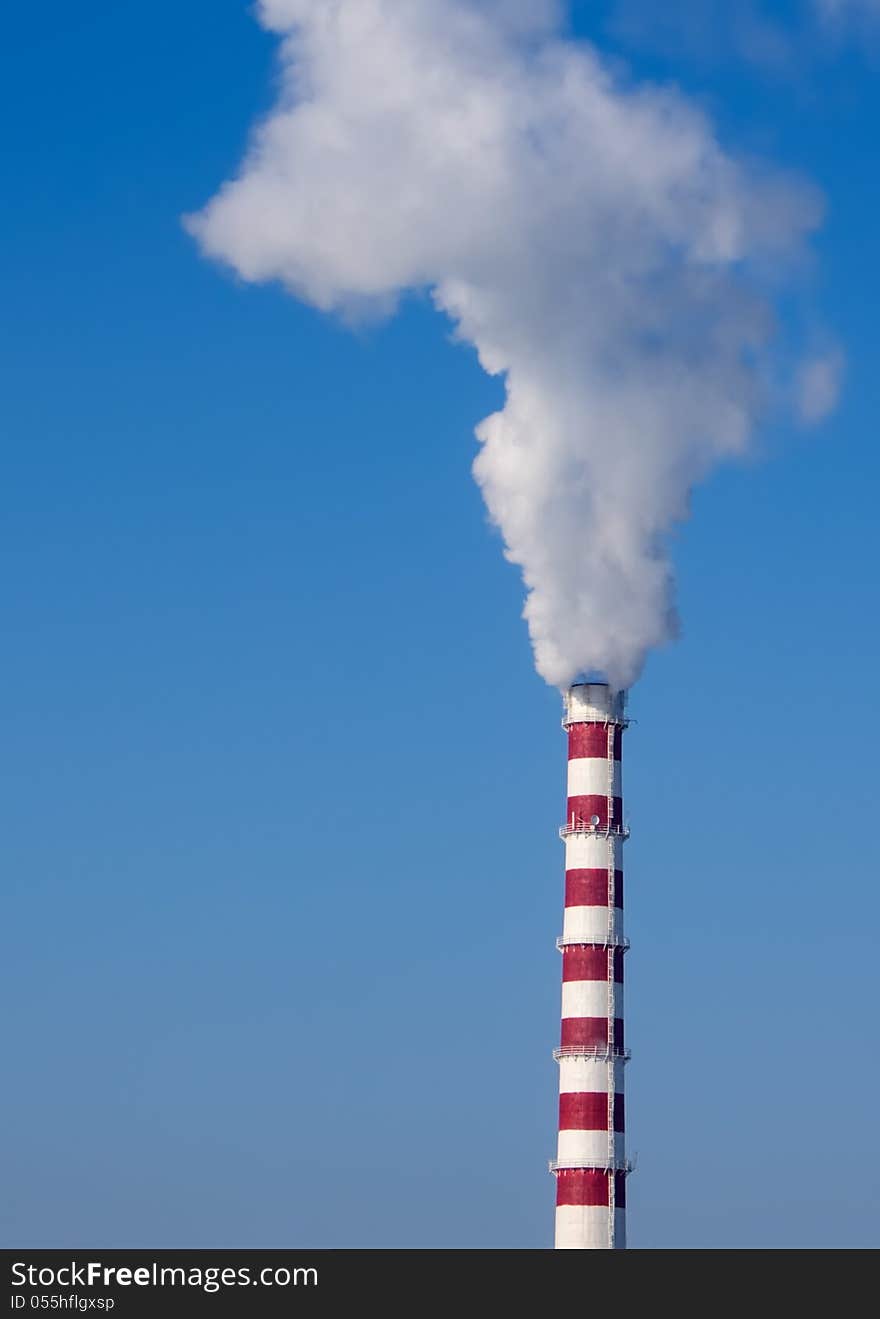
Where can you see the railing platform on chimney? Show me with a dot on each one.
(626, 1166)
(609, 941)
(600, 1051)
(597, 830)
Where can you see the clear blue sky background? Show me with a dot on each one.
(280, 787)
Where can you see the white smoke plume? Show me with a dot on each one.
(588, 236)
(818, 386)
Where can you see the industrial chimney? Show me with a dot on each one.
(590, 1165)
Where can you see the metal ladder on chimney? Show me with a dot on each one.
(611, 951)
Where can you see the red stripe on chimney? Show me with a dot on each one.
(589, 888)
(590, 742)
(588, 1111)
(581, 810)
(590, 1032)
(587, 962)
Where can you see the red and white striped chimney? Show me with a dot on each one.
(590, 1165)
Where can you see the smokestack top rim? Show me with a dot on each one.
(594, 702)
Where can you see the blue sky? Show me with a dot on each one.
(281, 787)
